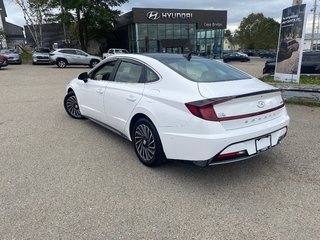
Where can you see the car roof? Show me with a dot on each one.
(117, 49)
(162, 56)
(150, 58)
(58, 49)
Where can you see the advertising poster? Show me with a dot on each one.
(291, 39)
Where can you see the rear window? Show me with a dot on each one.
(204, 70)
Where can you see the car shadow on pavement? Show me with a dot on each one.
(232, 173)
(236, 173)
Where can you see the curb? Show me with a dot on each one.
(300, 93)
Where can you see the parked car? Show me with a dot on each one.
(12, 55)
(224, 52)
(286, 48)
(236, 56)
(113, 51)
(310, 64)
(3, 61)
(40, 55)
(249, 52)
(180, 107)
(267, 54)
(68, 56)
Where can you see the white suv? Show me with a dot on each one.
(113, 51)
(68, 56)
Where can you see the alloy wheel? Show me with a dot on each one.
(62, 64)
(72, 107)
(145, 143)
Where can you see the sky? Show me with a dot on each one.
(237, 9)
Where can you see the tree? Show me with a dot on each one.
(2, 36)
(35, 13)
(232, 38)
(258, 32)
(93, 18)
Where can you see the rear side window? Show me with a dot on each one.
(204, 70)
(151, 76)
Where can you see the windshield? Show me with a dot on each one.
(6, 51)
(204, 70)
(43, 50)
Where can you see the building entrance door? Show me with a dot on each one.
(174, 49)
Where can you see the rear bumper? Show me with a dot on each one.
(40, 60)
(248, 148)
(43, 61)
(207, 146)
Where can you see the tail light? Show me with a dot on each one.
(205, 109)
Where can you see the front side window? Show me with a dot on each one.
(104, 71)
(81, 53)
(128, 72)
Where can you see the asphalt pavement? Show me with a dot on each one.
(62, 178)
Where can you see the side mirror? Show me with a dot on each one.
(83, 76)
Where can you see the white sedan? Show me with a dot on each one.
(180, 107)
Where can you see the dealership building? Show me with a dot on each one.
(172, 30)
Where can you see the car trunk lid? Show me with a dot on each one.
(241, 103)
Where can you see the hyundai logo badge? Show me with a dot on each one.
(261, 104)
(153, 15)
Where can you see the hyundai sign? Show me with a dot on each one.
(205, 19)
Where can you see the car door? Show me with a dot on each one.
(234, 57)
(310, 63)
(82, 57)
(123, 93)
(91, 93)
(69, 54)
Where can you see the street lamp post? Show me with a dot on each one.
(313, 23)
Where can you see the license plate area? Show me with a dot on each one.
(263, 143)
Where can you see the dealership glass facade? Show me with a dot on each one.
(173, 31)
(146, 37)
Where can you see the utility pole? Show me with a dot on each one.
(313, 23)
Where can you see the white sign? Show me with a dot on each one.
(290, 45)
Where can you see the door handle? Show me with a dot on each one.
(131, 98)
(100, 90)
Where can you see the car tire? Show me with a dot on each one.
(270, 71)
(147, 143)
(71, 106)
(93, 63)
(62, 63)
(34, 63)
